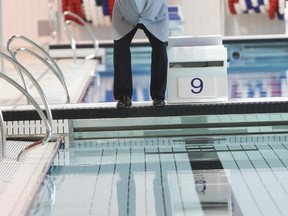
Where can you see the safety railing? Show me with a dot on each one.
(2, 137)
(46, 118)
(53, 18)
(53, 66)
(72, 37)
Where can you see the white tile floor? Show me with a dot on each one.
(77, 75)
(20, 181)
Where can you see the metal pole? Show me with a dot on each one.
(2, 137)
(58, 21)
(2, 125)
(1, 36)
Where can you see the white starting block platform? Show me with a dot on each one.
(197, 69)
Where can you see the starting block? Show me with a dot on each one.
(197, 70)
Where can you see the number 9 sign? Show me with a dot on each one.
(197, 85)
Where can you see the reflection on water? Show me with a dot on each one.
(255, 70)
(240, 85)
(169, 177)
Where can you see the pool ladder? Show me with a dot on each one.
(46, 118)
(58, 18)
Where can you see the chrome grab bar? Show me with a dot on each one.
(54, 67)
(52, 19)
(46, 119)
(72, 38)
(2, 135)
(56, 73)
(55, 18)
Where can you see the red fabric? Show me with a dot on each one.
(231, 6)
(73, 6)
(110, 6)
(273, 8)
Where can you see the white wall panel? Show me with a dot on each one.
(200, 17)
(21, 17)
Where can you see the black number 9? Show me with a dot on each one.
(197, 85)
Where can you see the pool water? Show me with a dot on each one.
(232, 175)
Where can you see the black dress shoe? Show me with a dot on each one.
(124, 102)
(158, 103)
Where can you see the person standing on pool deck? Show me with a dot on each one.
(152, 17)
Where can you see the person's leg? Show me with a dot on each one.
(122, 66)
(159, 66)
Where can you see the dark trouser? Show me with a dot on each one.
(122, 65)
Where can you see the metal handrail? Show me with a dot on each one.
(52, 19)
(2, 135)
(46, 119)
(56, 73)
(54, 67)
(55, 17)
(72, 38)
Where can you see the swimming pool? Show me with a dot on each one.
(229, 175)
